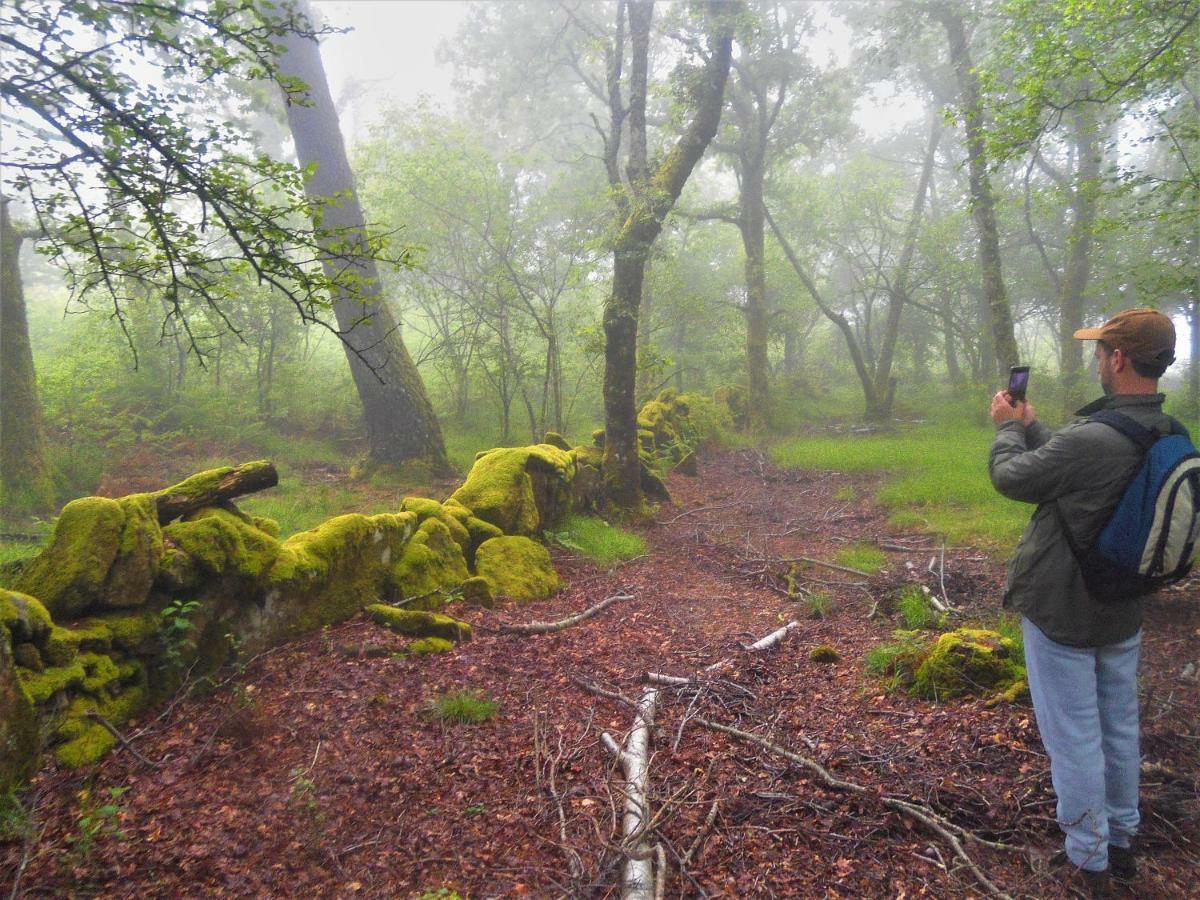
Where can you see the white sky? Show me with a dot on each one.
(388, 58)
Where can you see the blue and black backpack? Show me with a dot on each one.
(1151, 538)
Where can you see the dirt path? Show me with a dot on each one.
(318, 772)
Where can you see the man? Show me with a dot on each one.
(1082, 656)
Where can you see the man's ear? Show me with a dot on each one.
(1119, 360)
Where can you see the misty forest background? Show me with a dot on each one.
(834, 272)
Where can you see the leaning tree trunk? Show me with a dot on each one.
(983, 204)
(25, 481)
(639, 229)
(399, 418)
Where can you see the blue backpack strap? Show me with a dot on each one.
(1139, 434)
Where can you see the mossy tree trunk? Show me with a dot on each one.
(399, 418)
(641, 219)
(982, 201)
(26, 484)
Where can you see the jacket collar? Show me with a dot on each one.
(1117, 401)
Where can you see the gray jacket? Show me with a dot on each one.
(1084, 468)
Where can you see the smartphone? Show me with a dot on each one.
(1018, 381)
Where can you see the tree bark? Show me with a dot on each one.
(654, 197)
(398, 416)
(751, 225)
(26, 484)
(983, 204)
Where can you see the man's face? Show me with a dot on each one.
(1104, 367)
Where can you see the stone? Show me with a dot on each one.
(517, 568)
(418, 623)
(520, 490)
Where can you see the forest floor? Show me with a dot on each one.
(317, 770)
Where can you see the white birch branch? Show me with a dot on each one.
(638, 882)
(547, 627)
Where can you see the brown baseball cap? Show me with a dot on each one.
(1145, 335)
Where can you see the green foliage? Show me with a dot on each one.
(896, 662)
(916, 609)
(820, 604)
(465, 707)
(864, 557)
(604, 544)
(16, 821)
(939, 481)
(98, 819)
(178, 632)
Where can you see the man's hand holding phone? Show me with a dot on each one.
(1010, 405)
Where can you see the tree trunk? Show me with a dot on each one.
(25, 481)
(983, 205)
(655, 196)
(1084, 194)
(751, 225)
(399, 418)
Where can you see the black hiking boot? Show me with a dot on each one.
(1083, 883)
(1122, 863)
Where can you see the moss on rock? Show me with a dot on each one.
(27, 656)
(824, 654)
(132, 572)
(477, 591)
(554, 439)
(43, 686)
(517, 568)
(24, 616)
(132, 632)
(219, 541)
(451, 517)
(418, 623)
(520, 490)
(61, 646)
(426, 646)
(431, 566)
(71, 573)
(969, 661)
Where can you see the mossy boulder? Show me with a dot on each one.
(520, 490)
(218, 542)
(418, 623)
(71, 574)
(824, 654)
(20, 738)
(734, 399)
(139, 549)
(44, 686)
(131, 632)
(554, 439)
(477, 591)
(966, 662)
(431, 566)
(83, 740)
(25, 618)
(452, 517)
(430, 645)
(517, 567)
(587, 487)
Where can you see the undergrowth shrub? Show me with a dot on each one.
(469, 707)
(916, 609)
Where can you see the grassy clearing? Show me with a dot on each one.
(297, 506)
(604, 544)
(940, 482)
(463, 707)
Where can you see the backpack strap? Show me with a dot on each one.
(1142, 436)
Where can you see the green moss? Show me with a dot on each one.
(99, 671)
(130, 632)
(969, 661)
(69, 575)
(431, 566)
(517, 568)
(266, 525)
(426, 646)
(824, 654)
(520, 490)
(42, 686)
(131, 574)
(477, 591)
(61, 646)
(24, 616)
(599, 541)
(27, 656)
(554, 439)
(452, 517)
(219, 542)
(418, 623)
(90, 747)
(202, 485)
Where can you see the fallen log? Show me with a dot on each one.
(548, 627)
(638, 881)
(214, 487)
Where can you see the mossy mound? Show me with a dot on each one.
(24, 617)
(70, 575)
(967, 662)
(824, 654)
(520, 490)
(452, 517)
(734, 399)
(417, 623)
(218, 541)
(140, 548)
(517, 568)
(429, 645)
(477, 591)
(431, 566)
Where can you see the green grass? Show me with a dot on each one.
(604, 544)
(939, 481)
(916, 610)
(299, 507)
(864, 557)
(820, 604)
(463, 707)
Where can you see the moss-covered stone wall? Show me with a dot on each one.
(133, 592)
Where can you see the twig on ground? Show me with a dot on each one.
(121, 739)
(547, 627)
(826, 565)
(705, 829)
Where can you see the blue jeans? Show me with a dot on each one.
(1085, 701)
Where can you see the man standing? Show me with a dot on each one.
(1081, 655)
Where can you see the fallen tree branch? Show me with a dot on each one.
(638, 882)
(950, 832)
(826, 565)
(121, 739)
(705, 829)
(213, 488)
(548, 627)
(769, 641)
